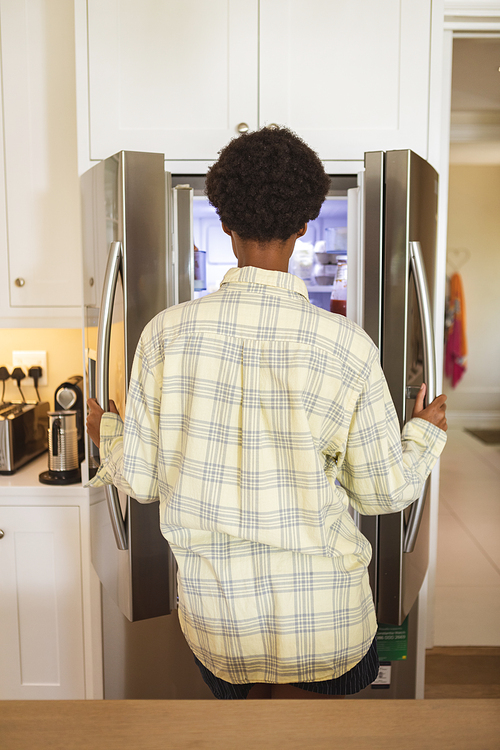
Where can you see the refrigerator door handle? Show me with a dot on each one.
(418, 270)
(113, 269)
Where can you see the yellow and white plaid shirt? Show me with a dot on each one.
(244, 407)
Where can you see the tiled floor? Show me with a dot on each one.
(467, 605)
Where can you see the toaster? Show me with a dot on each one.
(23, 434)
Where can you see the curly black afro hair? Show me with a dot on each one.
(267, 184)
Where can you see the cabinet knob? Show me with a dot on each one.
(19, 282)
(273, 126)
(2, 533)
(91, 281)
(242, 127)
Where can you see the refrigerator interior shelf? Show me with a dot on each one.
(320, 288)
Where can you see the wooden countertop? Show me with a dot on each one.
(253, 725)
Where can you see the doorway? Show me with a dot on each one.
(467, 587)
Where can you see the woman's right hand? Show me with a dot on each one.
(94, 419)
(435, 413)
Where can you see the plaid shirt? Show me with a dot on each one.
(244, 408)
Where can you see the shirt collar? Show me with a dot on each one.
(254, 275)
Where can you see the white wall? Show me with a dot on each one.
(474, 224)
(64, 357)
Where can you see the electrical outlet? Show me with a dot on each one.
(31, 359)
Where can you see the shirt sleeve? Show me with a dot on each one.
(111, 452)
(383, 470)
(129, 450)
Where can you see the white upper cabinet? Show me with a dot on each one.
(181, 76)
(177, 77)
(40, 244)
(347, 75)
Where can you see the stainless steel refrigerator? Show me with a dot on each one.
(132, 271)
(140, 226)
(400, 233)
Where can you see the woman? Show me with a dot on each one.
(244, 408)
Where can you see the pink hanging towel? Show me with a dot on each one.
(456, 339)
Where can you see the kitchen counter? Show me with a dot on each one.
(49, 591)
(238, 725)
(25, 482)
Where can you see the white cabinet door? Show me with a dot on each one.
(348, 75)
(176, 76)
(41, 633)
(41, 247)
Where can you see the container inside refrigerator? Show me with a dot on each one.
(315, 255)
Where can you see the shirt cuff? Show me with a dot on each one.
(111, 434)
(111, 428)
(425, 434)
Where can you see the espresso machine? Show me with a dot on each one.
(69, 395)
(66, 434)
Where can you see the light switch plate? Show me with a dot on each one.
(31, 359)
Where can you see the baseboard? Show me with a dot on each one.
(474, 419)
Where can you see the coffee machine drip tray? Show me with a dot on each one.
(60, 477)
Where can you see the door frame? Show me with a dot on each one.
(461, 18)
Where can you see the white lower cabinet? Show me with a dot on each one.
(41, 610)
